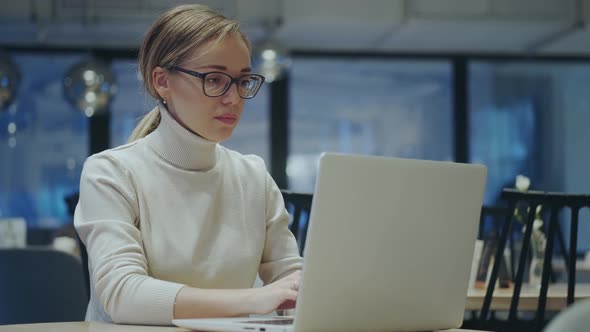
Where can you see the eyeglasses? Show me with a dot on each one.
(216, 83)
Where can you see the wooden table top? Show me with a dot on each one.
(102, 327)
(556, 297)
(86, 327)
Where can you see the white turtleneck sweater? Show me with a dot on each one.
(174, 209)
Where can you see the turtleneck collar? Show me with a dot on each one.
(181, 147)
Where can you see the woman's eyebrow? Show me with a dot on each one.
(219, 67)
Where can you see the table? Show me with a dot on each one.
(582, 265)
(86, 327)
(556, 297)
(101, 327)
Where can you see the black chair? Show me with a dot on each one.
(495, 215)
(71, 202)
(40, 285)
(490, 223)
(553, 204)
(299, 205)
(85, 269)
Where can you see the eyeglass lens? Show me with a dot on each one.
(216, 84)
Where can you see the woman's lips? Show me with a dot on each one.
(227, 119)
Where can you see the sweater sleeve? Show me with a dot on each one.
(106, 218)
(280, 256)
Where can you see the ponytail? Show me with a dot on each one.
(147, 124)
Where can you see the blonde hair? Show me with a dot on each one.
(171, 40)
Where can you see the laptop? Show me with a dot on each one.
(389, 248)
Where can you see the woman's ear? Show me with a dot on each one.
(160, 82)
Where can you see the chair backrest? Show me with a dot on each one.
(71, 202)
(553, 204)
(493, 214)
(490, 223)
(40, 285)
(85, 269)
(299, 206)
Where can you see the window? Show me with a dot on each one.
(367, 106)
(532, 119)
(43, 143)
(130, 103)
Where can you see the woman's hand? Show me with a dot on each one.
(281, 294)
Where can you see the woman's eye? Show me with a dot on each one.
(212, 80)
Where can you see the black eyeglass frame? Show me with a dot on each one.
(233, 80)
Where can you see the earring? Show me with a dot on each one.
(164, 101)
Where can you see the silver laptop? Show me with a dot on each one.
(389, 248)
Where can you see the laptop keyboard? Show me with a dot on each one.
(288, 321)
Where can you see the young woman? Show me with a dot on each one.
(175, 225)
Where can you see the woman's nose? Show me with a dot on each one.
(231, 96)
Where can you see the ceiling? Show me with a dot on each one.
(556, 27)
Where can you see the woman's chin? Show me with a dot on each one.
(222, 135)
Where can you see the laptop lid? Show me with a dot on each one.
(389, 245)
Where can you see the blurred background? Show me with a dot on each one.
(499, 82)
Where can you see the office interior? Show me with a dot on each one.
(496, 82)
